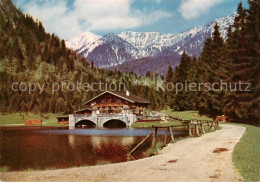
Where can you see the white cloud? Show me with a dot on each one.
(190, 9)
(97, 15)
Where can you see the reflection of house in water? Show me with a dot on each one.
(109, 108)
(97, 141)
(128, 140)
(111, 147)
(71, 140)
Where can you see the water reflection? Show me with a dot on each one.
(54, 148)
(71, 140)
(104, 132)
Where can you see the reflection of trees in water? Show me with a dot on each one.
(81, 150)
(91, 149)
(140, 151)
(126, 142)
(76, 141)
(112, 150)
(26, 149)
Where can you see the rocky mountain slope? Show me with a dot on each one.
(143, 51)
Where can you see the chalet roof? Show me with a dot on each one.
(131, 97)
(86, 109)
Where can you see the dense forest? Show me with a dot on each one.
(235, 60)
(29, 54)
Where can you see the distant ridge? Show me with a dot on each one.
(145, 51)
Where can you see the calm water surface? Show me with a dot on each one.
(42, 148)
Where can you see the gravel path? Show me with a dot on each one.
(206, 158)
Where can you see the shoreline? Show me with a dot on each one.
(170, 163)
(31, 127)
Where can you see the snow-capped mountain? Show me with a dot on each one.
(124, 48)
(109, 50)
(148, 43)
(82, 40)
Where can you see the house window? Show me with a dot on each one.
(103, 101)
(119, 101)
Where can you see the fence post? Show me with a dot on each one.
(202, 128)
(197, 130)
(189, 128)
(172, 137)
(166, 136)
(154, 136)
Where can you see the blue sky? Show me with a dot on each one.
(68, 18)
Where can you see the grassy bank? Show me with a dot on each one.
(187, 115)
(150, 124)
(246, 154)
(49, 119)
(18, 119)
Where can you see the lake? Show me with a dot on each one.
(39, 148)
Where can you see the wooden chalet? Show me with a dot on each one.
(117, 103)
(84, 111)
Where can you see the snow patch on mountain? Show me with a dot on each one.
(83, 40)
(111, 49)
(143, 39)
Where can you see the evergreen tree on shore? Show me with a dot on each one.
(182, 101)
(28, 54)
(240, 102)
(234, 61)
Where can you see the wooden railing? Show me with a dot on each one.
(194, 127)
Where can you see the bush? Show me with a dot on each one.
(103, 162)
(151, 151)
(4, 169)
(159, 145)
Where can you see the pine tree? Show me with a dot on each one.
(212, 68)
(193, 78)
(181, 77)
(148, 74)
(60, 105)
(20, 58)
(217, 61)
(240, 103)
(92, 65)
(63, 46)
(254, 32)
(169, 75)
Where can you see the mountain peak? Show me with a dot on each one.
(223, 22)
(113, 50)
(82, 40)
(88, 33)
(109, 36)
